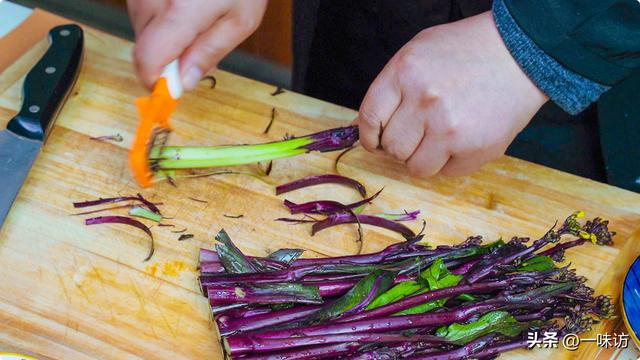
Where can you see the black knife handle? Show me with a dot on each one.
(49, 82)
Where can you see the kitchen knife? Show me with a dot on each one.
(45, 89)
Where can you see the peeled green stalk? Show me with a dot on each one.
(190, 157)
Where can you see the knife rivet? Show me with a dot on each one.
(64, 32)
(50, 70)
(34, 109)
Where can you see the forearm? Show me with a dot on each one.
(569, 90)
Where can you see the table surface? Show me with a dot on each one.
(70, 291)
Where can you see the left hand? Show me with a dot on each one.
(450, 100)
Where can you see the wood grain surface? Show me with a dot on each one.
(70, 291)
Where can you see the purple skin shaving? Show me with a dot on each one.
(244, 344)
(126, 221)
(346, 218)
(327, 207)
(321, 179)
(102, 201)
(406, 216)
(333, 139)
(151, 206)
(316, 207)
(259, 321)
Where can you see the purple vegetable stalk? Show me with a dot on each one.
(409, 247)
(595, 230)
(518, 279)
(462, 352)
(310, 353)
(219, 295)
(288, 275)
(244, 344)
(528, 298)
(383, 324)
(260, 321)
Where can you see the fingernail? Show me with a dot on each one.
(191, 77)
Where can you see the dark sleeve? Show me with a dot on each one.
(597, 39)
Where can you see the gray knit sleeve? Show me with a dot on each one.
(571, 91)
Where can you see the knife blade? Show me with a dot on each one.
(44, 91)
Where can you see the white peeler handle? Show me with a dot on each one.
(172, 73)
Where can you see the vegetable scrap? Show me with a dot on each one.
(114, 138)
(213, 80)
(273, 118)
(185, 237)
(265, 171)
(279, 90)
(339, 157)
(338, 213)
(321, 179)
(127, 221)
(197, 200)
(233, 216)
(409, 300)
(145, 213)
(138, 206)
(104, 209)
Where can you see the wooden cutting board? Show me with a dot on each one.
(70, 291)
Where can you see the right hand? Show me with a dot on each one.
(198, 32)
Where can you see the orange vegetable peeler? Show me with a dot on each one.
(154, 128)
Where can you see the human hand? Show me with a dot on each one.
(198, 32)
(450, 100)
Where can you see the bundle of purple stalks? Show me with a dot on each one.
(408, 301)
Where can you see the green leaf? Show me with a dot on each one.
(537, 263)
(495, 321)
(437, 276)
(231, 258)
(282, 306)
(394, 294)
(357, 294)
